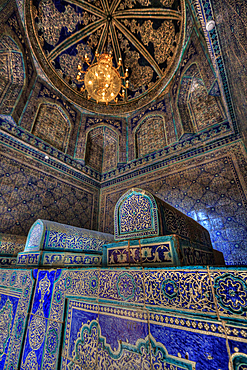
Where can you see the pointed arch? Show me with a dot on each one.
(102, 148)
(197, 108)
(150, 134)
(12, 74)
(52, 125)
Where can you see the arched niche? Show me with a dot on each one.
(197, 108)
(136, 215)
(12, 74)
(52, 125)
(102, 147)
(150, 135)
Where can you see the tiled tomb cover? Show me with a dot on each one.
(49, 235)
(140, 214)
(53, 244)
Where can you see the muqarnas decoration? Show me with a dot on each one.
(52, 244)
(155, 233)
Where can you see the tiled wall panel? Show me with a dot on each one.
(29, 190)
(210, 188)
(171, 318)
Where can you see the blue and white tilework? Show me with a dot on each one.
(48, 235)
(171, 318)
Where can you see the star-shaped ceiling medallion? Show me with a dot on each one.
(147, 35)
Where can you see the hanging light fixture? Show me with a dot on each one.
(102, 80)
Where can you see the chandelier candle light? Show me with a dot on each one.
(101, 80)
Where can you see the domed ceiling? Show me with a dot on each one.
(147, 35)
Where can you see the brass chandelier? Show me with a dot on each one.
(102, 80)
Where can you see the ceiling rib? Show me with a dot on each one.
(102, 41)
(139, 47)
(86, 6)
(105, 5)
(116, 48)
(149, 13)
(76, 37)
(114, 5)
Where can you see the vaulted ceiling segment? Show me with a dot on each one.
(147, 34)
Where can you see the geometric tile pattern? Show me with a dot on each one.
(170, 250)
(48, 235)
(150, 135)
(52, 126)
(102, 149)
(211, 192)
(210, 195)
(27, 194)
(215, 199)
(135, 215)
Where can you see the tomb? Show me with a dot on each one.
(53, 244)
(150, 232)
(153, 300)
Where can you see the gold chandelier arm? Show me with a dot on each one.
(149, 13)
(139, 47)
(116, 47)
(80, 80)
(76, 37)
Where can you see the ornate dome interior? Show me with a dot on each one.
(147, 35)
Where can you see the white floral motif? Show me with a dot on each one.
(126, 356)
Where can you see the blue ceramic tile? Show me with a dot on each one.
(119, 324)
(31, 259)
(43, 293)
(61, 259)
(64, 363)
(34, 342)
(49, 235)
(123, 338)
(16, 289)
(80, 332)
(82, 282)
(179, 289)
(52, 344)
(3, 360)
(8, 308)
(238, 351)
(187, 349)
(230, 286)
